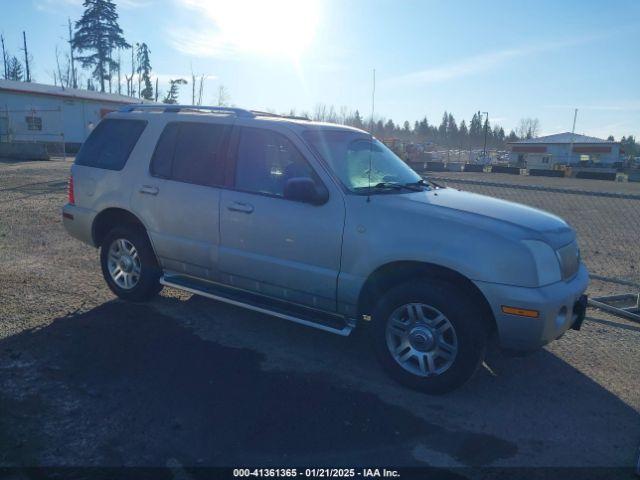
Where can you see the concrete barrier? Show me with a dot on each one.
(611, 176)
(24, 151)
(503, 169)
(455, 166)
(435, 167)
(473, 167)
(541, 172)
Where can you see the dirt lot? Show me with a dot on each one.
(89, 380)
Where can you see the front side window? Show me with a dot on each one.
(110, 144)
(266, 160)
(359, 160)
(191, 152)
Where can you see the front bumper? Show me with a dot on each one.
(561, 306)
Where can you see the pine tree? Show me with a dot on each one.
(357, 120)
(475, 131)
(98, 33)
(463, 134)
(144, 70)
(172, 94)
(452, 131)
(442, 129)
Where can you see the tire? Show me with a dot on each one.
(408, 316)
(144, 272)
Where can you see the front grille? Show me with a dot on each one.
(569, 257)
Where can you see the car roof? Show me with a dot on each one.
(185, 112)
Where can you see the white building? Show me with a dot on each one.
(565, 149)
(34, 112)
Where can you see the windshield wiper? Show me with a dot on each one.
(425, 183)
(414, 187)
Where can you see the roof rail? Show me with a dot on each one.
(169, 108)
(277, 115)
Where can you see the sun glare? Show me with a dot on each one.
(267, 27)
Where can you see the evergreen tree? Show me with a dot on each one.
(389, 129)
(98, 33)
(174, 87)
(357, 120)
(144, 70)
(423, 130)
(475, 131)
(452, 131)
(463, 134)
(442, 129)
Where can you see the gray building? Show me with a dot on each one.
(565, 149)
(38, 113)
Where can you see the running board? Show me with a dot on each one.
(258, 303)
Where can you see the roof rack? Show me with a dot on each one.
(277, 115)
(240, 112)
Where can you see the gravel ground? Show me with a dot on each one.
(89, 380)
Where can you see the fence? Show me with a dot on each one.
(607, 222)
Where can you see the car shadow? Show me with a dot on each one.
(126, 384)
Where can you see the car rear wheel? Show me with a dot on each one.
(429, 335)
(129, 264)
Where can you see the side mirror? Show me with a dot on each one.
(304, 189)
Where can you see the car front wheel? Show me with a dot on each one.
(429, 335)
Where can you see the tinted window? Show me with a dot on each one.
(110, 144)
(266, 160)
(191, 152)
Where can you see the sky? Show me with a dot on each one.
(539, 59)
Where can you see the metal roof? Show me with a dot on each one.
(566, 137)
(52, 90)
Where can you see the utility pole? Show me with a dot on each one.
(74, 79)
(4, 57)
(156, 89)
(573, 131)
(486, 126)
(26, 55)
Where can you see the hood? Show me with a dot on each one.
(533, 223)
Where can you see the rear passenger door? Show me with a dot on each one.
(275, 246)
(179, 196)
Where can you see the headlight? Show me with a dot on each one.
(547, 264)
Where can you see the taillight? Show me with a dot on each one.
(72, 198)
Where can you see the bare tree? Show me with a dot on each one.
(528, 128)
(200, 89)
(223, 96)
(74, 76)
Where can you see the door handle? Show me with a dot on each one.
(240, 207)
(149, 190)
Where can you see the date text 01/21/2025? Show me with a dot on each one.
(316, 472)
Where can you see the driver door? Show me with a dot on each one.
(270, 245)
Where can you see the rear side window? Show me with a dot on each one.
(110, 144)
(191, 153)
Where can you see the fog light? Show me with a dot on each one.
(562, 317)
(522, 312)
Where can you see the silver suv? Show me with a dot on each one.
(322, 225)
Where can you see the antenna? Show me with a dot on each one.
(373, 108)
(573, 130)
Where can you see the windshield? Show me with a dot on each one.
(351, 154)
